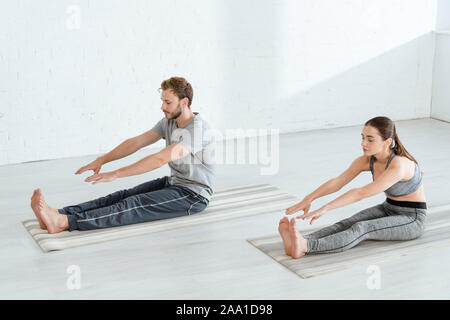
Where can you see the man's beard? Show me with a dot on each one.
(177, 112)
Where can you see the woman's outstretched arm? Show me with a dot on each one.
(331, 186)
(387, 178)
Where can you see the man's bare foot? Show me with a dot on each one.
(283, 229)
(53, 220)
(299, 244)
(35, 207)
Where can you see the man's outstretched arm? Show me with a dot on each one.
(130, 146)
(154, 161)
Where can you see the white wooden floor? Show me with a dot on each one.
(215, 261)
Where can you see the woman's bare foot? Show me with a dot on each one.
(53, 220)
(299, 244)
(283, 229)
(35, 207)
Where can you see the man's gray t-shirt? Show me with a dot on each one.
(195, 171)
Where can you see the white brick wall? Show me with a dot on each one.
(440, 108)
(443, 15)
(293, 65)
(441, 78)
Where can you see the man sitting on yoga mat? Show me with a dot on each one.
(394, 171)
(189, 152)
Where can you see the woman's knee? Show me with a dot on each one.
(360, 227)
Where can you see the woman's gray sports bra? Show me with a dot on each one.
(401, 188)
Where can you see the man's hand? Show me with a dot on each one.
(102, 177)
(95, 166)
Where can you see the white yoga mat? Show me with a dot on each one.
(230, 203)
(436, 235)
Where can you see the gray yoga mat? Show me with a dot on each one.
(230, 203)
(436, 235)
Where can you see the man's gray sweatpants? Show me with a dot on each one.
(386, 221)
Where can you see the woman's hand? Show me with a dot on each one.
(102, 177)
(316, 214)
(304, 205)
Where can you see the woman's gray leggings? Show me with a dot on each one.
(386, 221)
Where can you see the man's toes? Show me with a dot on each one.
(40, 198)
(43, 205)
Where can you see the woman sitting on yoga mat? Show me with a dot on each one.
(394, 171)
